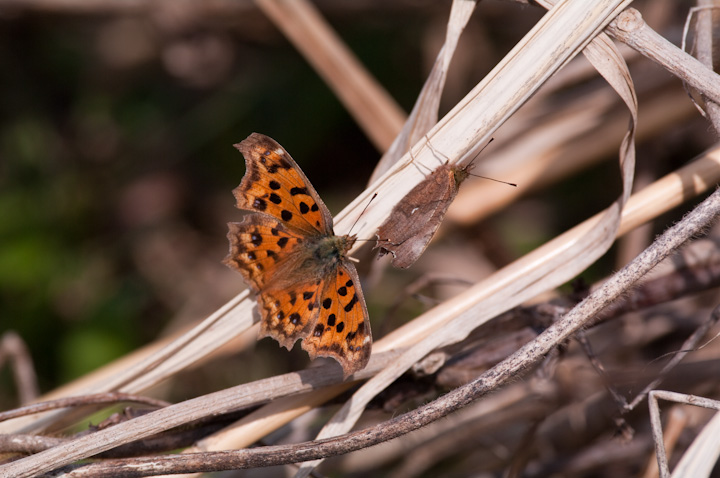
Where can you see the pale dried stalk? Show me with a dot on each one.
(559, 146)
(630, 28)
(704, 34)
(424, 114)
(549, 157)
(215, 403)
(506, 371)
(699, 460)
(373, 108)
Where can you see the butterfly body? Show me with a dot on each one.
(290, 256)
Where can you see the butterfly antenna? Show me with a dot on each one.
(361, 214)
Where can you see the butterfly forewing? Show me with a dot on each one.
(274, 185)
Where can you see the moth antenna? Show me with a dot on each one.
(493, 179)
(481, 150)
(363, 212)
(471, 162)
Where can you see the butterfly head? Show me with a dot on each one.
(331, 249)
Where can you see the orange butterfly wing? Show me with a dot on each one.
(274, 184)
(295, 264)
(342, 330)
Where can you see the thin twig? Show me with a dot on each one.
(687, 347)
(656, 423)
(13, 349)
(94, 399)
(704, 51)
(630, 28)
(600, 369)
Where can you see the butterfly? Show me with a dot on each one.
(415, 219)
(288, 253)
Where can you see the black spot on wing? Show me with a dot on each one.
(259, 204)
(348, 307)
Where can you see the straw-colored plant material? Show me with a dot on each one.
(424, 114)
(700, 458)
(528, 280)
(558, 36)
(373, 108)
(501, 374)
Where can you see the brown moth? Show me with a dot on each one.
(414, 220)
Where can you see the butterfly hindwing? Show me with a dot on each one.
(342, 330)
(288, 315)
(275, 185)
